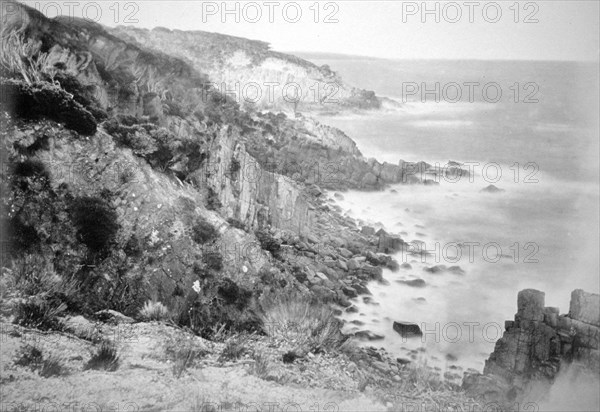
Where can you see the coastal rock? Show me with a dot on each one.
(389, 243)
(492, 189)
(415, 283)
(585, 307)
(407, 329)
(536, 346)
(350, 292)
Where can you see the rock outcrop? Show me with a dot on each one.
(536, 345)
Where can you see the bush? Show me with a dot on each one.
(83, 95)
(268, 242)
(154, 311)
(203, 232)
(213, 261)
(96, 222)
(39, 313)
(260, 368)
(52, 366)
(183, 353)
(134, 136)
(105, 358)
(43, 99)
(307, 324)
(29, 356)
(220, 307)
(212, 200)
(234, 349)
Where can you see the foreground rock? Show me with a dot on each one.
(537, 345)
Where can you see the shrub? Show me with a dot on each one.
(105, 358)
(134, 136)
(260, 368)
(234, 349)
(203, 232)
(29, 356)
(307, 324)
(213, 261)
(212, 200)
(96, 222)
(154, 311)
(234, 168)
(289, 357)
(221, 307)
(183, 353)
(46, 100)
(52, 366)
(39, 313)
(83, 95)
(268, 242)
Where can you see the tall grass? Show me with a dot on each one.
(305, 323)
(24, 57)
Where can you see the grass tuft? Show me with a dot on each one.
(154, 311)
(105, 358)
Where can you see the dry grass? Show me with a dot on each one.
(309, 326)
(24, 57)
(154, 311)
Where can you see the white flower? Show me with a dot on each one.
(244, 269)
(196, 286)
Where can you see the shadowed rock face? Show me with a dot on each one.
(537, 344)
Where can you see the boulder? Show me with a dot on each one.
(349, 291)
(353, 264)
(389, 243)
(407, 329)
(112, 316)
(415, 283)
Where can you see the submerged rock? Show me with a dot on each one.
(491, 189)
(415, 283)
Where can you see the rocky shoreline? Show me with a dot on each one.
(136, 205)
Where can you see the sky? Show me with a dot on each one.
(507, 30)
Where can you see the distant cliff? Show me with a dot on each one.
(241, 67)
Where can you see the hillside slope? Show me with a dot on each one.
(257, 76)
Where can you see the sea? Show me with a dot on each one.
(530, 129)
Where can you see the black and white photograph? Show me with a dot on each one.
(288, 206)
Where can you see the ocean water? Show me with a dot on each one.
(540, 232)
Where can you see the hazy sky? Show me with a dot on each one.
(556, 30)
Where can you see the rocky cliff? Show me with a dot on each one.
(257, 76)
(536, 346)
(199, 188)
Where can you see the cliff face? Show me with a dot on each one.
(257, 76)
(537, 345)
